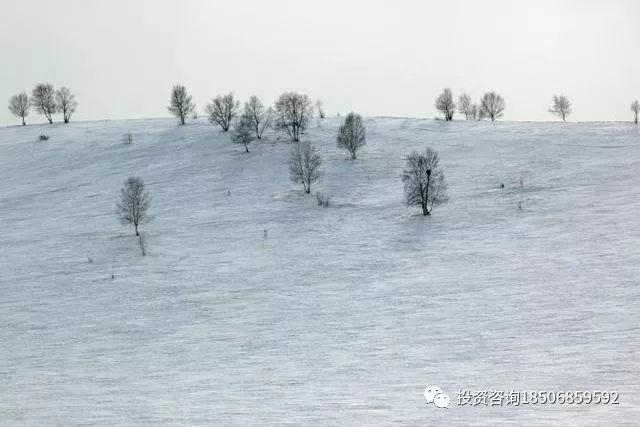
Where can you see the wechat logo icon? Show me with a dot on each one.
(434, 394)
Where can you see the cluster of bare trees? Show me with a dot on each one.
(304, 160)
(290, 114)
(46, 101)
(491, 106)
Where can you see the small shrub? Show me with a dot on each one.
(127, 138)
(43, 137)
(323, 199)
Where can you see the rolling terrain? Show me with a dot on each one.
(255, 306)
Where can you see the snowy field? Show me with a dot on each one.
(340, 315)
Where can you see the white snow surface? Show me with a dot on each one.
(340, 315)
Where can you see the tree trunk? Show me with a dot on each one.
(23, 122)
(425, 208)
(137, 233)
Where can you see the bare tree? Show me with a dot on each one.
(561, 107)
(260, 116)
(19, 106)
(304, 165)
(320, 109)
(243, 131)
(424, 182)
(635, 107)
(43, 100)
(181, 103)
(474, 112)
(222, 110)
(466, 107)
(134, 202)
(293, 112)
(66, 102)
(127, 138)
(492, 106)
(351, 134)
(444, 104)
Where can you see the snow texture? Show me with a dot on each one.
(254, 306)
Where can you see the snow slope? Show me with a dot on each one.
(340, 315)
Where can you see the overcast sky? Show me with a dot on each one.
(121, 57)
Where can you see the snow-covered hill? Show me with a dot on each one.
(340, 315)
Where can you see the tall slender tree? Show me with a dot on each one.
(134, 203)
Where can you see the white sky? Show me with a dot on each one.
(121, 57)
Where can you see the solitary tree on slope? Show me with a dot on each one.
(445, 104)
(351, 134)
(561, 107)
(134, 203)
(424, 182)
(181, 104)
(19, 106)
(304, 165)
